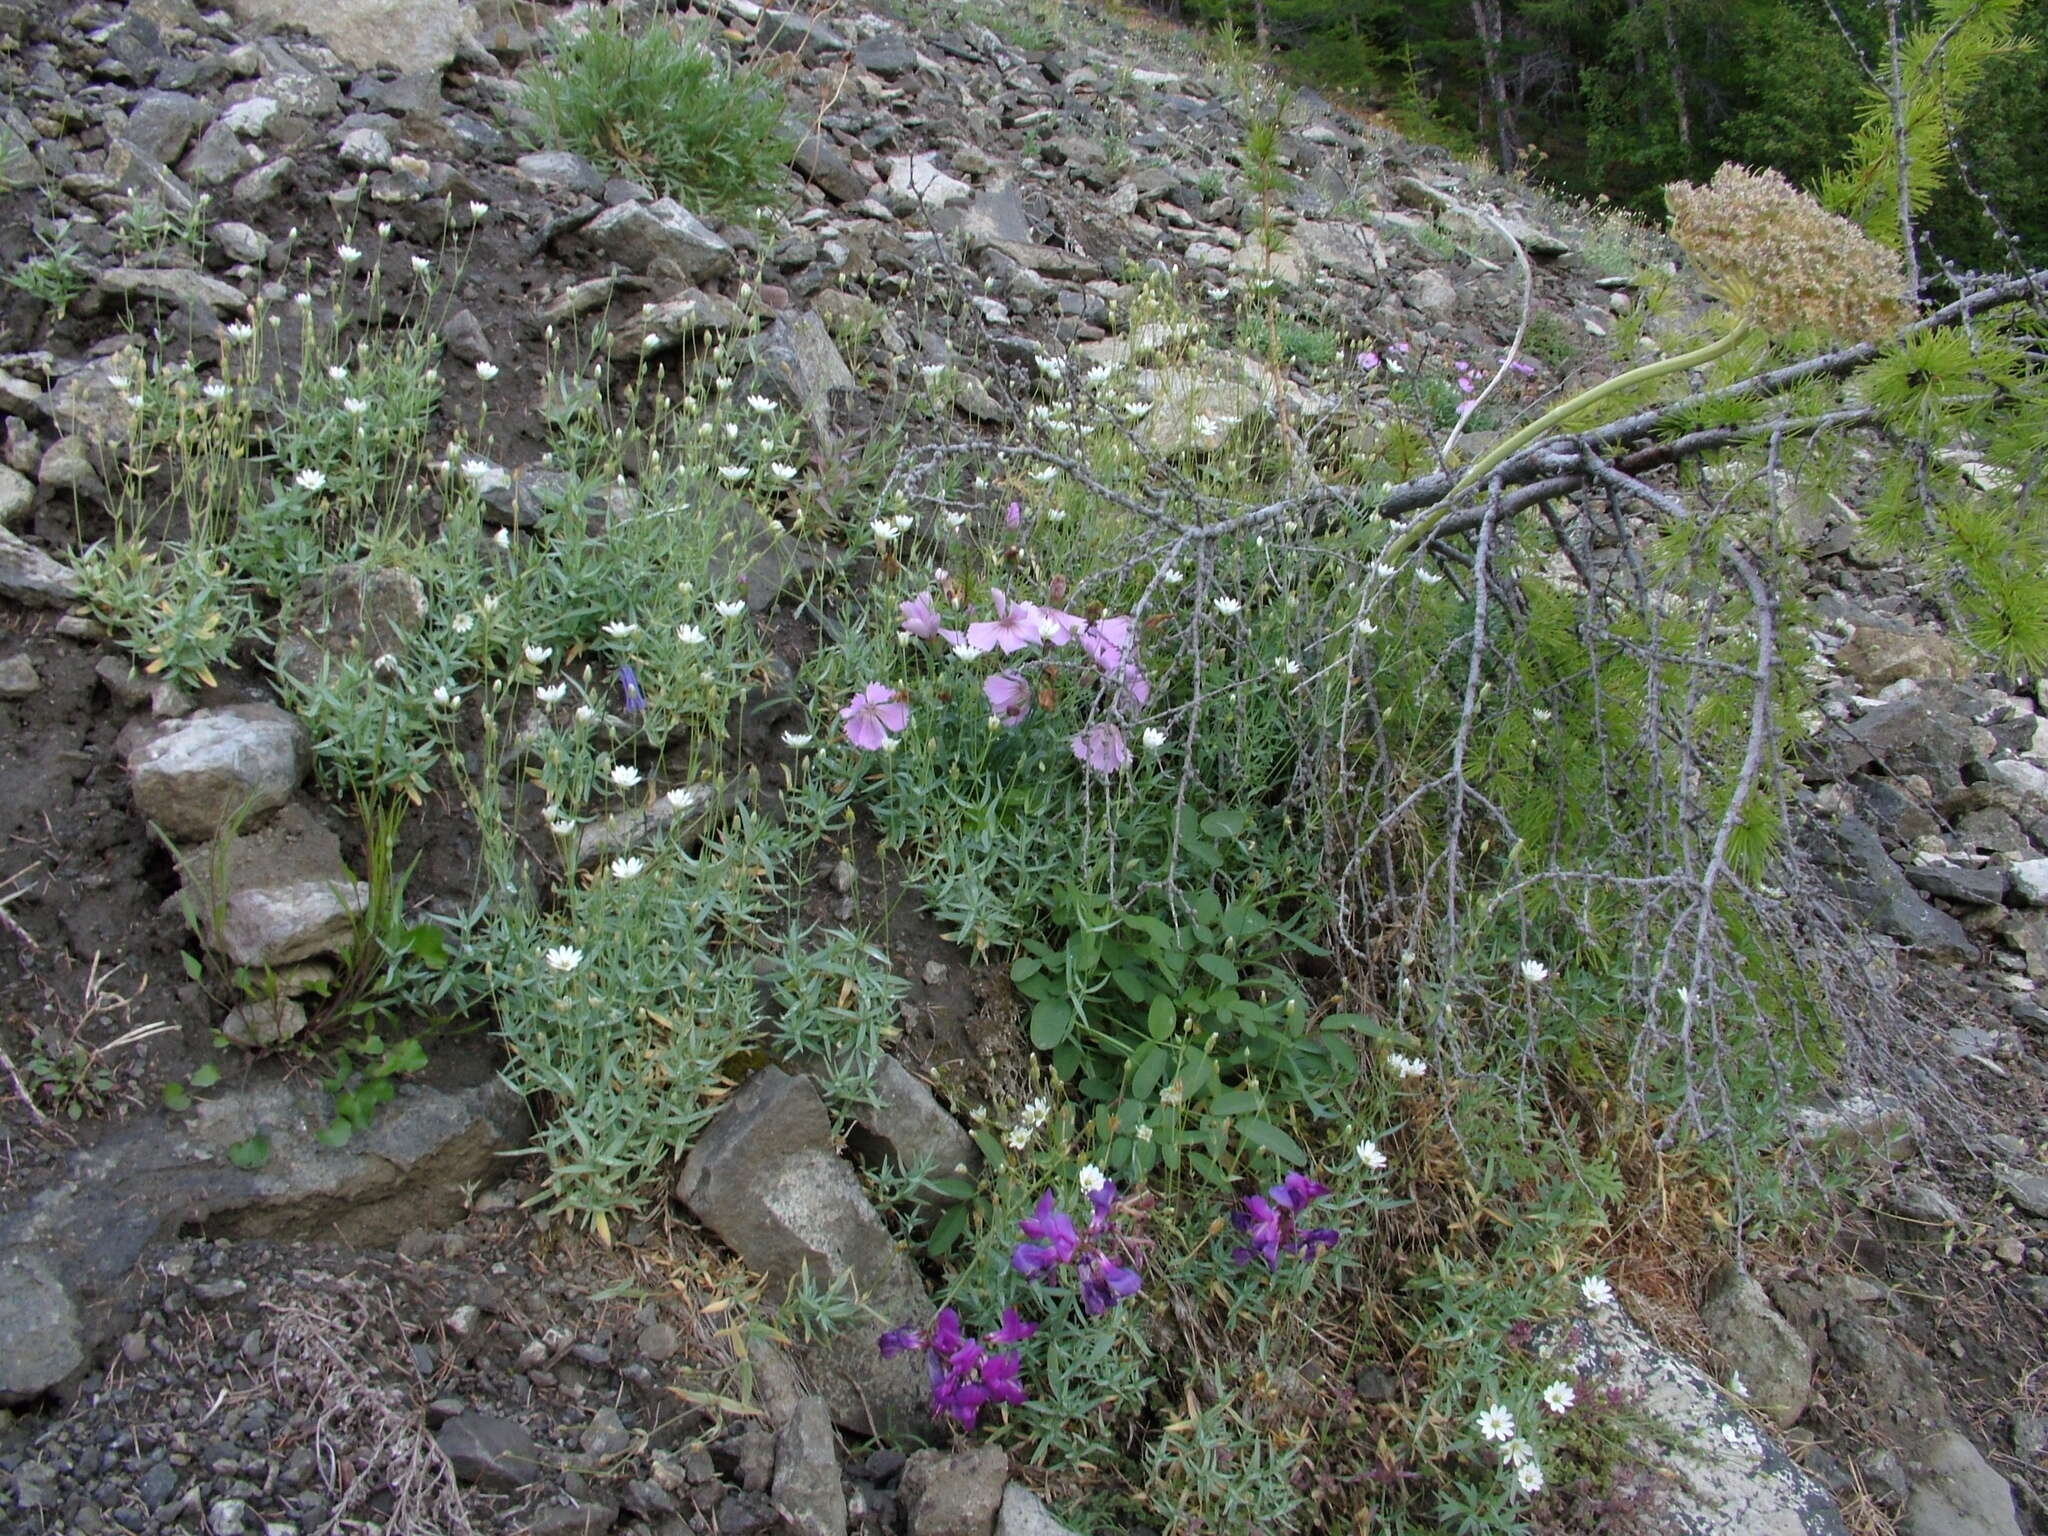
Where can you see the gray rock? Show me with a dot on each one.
(2030, 882)
(1922, 1203)
(19, 167)
(265, 184)
(797, 362)
(264, 1021)
(906, 1127)
(580, 1519)
(918, 182)
(250, 116)
(241, 242)
(606, 1435)
(219, 157)
(163, 122)
(1431, 293)
(36, 1486)
(2028, 778)
(1981, 886)
(1877, 658)
(1956, 1493)
(1024, 1514)
(1775, 1363)
(1879, 1127)
(17, 496)
(193, 776)
(276, 896)
(819, 162)
(638, 235)
(561, 168)
(1723, 1475)
(40, 1341)
(30, 577)
(174, 285)
(410, 36)
(2028, 1191)
(227, 1517)
(765, 1178)
(366, 149)
(1857, 865)
(140, 174)
(18, 677)
(888, 55)
(806, 1487)
(670, 323)
(489, 1452)
(954, 1493)
(790, 32)
(354, 611)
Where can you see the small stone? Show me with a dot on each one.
(2028, 1191)
(264, 1021)
(462, 1322)
(954, 1493)
(40, 1339)
(18, 679)
(1024, 1514)
(127, 683)
(2010, 1251)
(241, 242)
(488, 1451)
(36, 1487)
(227, 1517)
(2030, 882)
(606, 1435)
(192, 777)
(29, 576)
(17, 496)
(657, 1342)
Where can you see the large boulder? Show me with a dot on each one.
(1774, 1362)
(1956, 1493)
(766, 1178)
(195, 776)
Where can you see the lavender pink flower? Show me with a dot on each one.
(1009, 697)
(1014, 628)
(874, 717)
(1102, 749)
(920, 618)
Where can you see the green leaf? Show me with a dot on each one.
(947, 1231)
(1159, 1018)
(1263, 1133)
(407, 1056)
(1024, 967)
(1152, 1064)
(194, 966)
(335, 1133)
(251, 1153)
(1224, 826)
(427, 944)
(205, 1075)
(1218, 966)
(175, 1098)
(1132, 983)
(1237, 1101)
(1359, 1023)
(1051, 1022)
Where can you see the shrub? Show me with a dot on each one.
(662, 108)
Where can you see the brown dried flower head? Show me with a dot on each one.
(1793, 265)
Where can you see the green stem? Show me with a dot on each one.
(1423, 526)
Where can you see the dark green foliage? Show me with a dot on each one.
(663, 109)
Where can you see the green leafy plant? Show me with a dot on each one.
(837, 999)
(56, 277)
(661, 107)
(360, 1081)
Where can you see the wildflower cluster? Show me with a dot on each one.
(877, 714)
(966, 1375)
(1272, 1222)
(1105, 1258)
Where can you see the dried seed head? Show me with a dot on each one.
(1771, 248)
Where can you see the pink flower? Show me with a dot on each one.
(920, 619)
(1009, 697)
(1014, 627)
(1013, 515)
(1056, 626)
(1368, 360)
(1101, 747)
(1108, 642)
(875, 715)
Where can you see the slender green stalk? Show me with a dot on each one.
(1422, 527)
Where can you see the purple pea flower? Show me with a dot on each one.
(1013, 515)
(1101, 748)
(1009, 697)
(1057, 1245)
(1272, 1222)
(629, 689)
(874, 717)
(965, 1376)
(920, 618)
(1105, 1260)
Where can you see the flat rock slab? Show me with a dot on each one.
(1726, 1476)
(1956, 1493)
(276, 896)
(32, 578)
(640, 235)
(765, 1177)
(194, 776)
(410, 36)
(489, 1452)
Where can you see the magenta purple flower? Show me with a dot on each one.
(966, 1375)
(1272, 1222)
(1104, 1258)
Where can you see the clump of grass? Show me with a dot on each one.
(662, 108)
